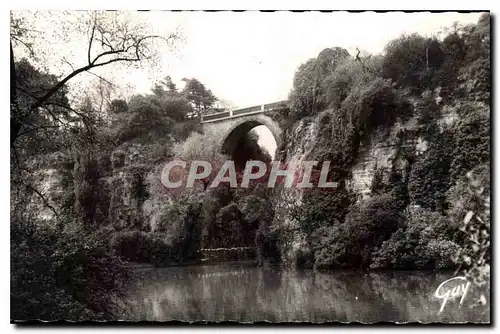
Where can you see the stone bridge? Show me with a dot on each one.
(231, 126)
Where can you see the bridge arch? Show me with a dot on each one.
(242, 126)
(230, 126)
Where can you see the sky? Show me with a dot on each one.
(245, 58)
(250, 58)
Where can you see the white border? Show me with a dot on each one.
(196, 5)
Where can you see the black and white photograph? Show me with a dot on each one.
(250, 167)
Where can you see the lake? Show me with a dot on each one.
(245, 293)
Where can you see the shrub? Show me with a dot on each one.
(304, 259)
(199, 146)
(330, 247)
(472, 140)
(368, 224)
(309, 94)
(470, 209)
(323, 208)
(377, 185)
(150, 247)
(351, 244)
(348, 74)
(62, 274)
(118, 106)
(427, 241)
(182, 130)
(131, 245)
(429, 178)
(232, 229)
(410, 60)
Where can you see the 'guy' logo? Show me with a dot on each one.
(451, 289)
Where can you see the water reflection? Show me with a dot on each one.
(244, 293)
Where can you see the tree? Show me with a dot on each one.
(309, 91)
(201, 99)
(112, 38)
(165, 87)
(28, 82)
(172, 88)
(43, 118)
(411, 60)
(158, 90)
(118, 106)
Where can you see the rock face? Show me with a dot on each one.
(383, 153)
(53, 181)
(386, 150)
(127, 196)
(300, 140)
(139, 202)
(134, 204)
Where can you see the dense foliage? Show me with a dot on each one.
(62, 273)
(410, 218)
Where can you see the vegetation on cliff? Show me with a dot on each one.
(411, 218)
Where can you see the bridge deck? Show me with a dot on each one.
(221, 116)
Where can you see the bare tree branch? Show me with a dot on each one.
(103, 79)
(28, 46)
(119, 42)
(45, 202)
(70, 65)
(36, 129)
(61, 83)
(91, 38)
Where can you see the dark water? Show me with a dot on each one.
(238, 292)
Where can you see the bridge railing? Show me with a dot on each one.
(239, 112)
(247, 110)
(218, 115)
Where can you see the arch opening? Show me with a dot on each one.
(251, 140)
